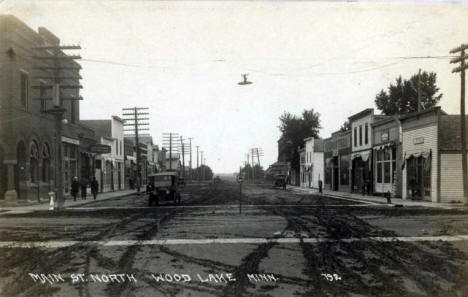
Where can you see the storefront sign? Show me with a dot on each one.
(384, 136)
(99, 149)
(418, 140)
(70, 140)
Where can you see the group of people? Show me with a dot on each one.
(82, 185)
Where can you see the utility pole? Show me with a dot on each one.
(419, 90)
(190, 161)
(463, 66)
(201, 167)
(54, 69)
(132, 119)
(198, 169)
(183, 158)
(252, 156)
(170, 140)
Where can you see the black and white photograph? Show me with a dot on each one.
(233, 148)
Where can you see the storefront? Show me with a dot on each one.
(420, 149)
(337, 155)
(361, 172)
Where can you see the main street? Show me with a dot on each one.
(284, 243)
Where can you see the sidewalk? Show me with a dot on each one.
(375, 199)
(25, 208)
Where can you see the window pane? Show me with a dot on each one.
(386, 172)
(367, 133)
(393, 171)
(360, 135)
(379, 172)
(387, 154)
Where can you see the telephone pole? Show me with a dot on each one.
(170, 140)
(201, 167)
(55, 63)
(190, 161)
(463, 66)
(132, 117)
(182, 146)
(198, 170)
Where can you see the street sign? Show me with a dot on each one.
(100, 149)
(240, 178)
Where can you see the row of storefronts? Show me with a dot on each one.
(413, 156)
(29, 150)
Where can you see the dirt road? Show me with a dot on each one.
(283, 244)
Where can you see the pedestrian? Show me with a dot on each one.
(94, 187)
(369, 186)
(149, 188)
(84, 188)
(75, 188)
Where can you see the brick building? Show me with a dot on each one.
(27, 146)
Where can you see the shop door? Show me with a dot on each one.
(419, 178)
(335, 174)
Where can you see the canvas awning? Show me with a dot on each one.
(424, 154)
(364, 155)
(383, 146)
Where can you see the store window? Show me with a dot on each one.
(355, 136)
(34, 161)
(366, 139)
(385, 165)
(360, 135)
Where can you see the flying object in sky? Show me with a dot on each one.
(245, 82)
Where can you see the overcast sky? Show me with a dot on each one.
(184, 60)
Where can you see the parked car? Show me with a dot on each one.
(280, 181)
(165, 187)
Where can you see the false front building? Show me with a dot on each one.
(432, 168)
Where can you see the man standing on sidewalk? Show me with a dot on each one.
(84, 188)
(94, 187)
(75, 188)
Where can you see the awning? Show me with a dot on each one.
(424, 154)
(364, 155)
(383, 146)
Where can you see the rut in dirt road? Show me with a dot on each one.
(371, 268)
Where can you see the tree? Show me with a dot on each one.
(293, 131)
(258, 172)
(346, 126)
(402, 97)
(203, 170)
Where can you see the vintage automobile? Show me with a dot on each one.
(165, 186)
(280, 181)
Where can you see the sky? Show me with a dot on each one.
(183, 60)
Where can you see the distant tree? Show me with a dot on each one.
(402, 97)
(257, 172)
(346, 126)
(203, 170)
(293, 131)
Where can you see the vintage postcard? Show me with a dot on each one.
(233, 148)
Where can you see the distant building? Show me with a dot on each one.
(110, 168)
(337, 157)
(313, 166)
